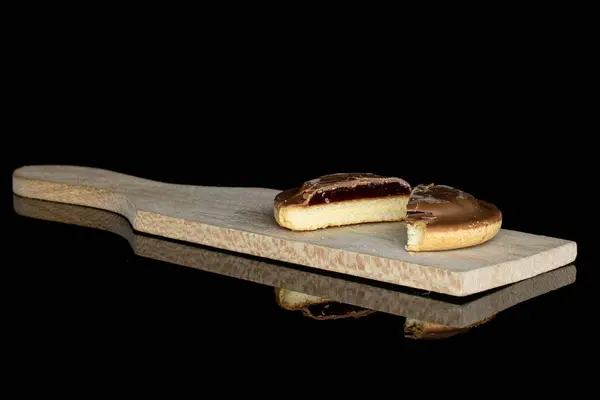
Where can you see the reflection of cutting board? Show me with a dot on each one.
(241, 220)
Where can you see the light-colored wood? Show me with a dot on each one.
(409, 303)
(241, 220)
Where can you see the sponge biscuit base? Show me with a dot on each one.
(424, 238)
(358, 211)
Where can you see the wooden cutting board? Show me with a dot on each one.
(241, 220)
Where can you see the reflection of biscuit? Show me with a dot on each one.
(443, 218)
(415, 329)
(317, 307)
(342, 199)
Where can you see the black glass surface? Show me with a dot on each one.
(505, 113)
(85, 276)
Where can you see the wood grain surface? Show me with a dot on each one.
(400, 301)
(241, 220)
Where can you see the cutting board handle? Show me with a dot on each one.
(84, 186)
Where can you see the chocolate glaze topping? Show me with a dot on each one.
(342, 187)
(445, 207)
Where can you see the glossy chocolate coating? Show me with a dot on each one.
(447, 207)
(343, 187)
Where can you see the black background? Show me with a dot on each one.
(501, 117)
